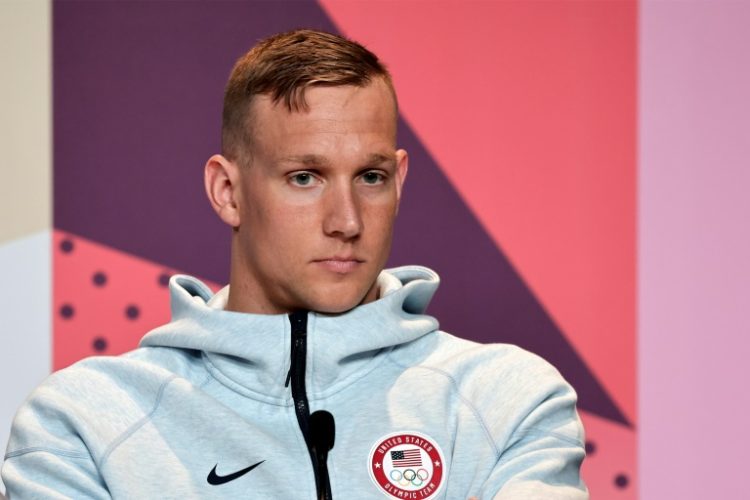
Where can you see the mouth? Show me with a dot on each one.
(339, 265)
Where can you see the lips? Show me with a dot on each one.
(339, 265)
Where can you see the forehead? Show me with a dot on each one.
(334, 114)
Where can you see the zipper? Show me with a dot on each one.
(296, 376)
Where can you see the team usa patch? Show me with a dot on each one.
(407, 465)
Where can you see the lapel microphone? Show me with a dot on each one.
(322, 437)
(322, 432)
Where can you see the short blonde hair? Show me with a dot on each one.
(283, 66)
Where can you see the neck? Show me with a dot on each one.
(245, 294)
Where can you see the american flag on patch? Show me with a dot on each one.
(407, 458)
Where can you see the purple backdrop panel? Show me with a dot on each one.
(137, 112)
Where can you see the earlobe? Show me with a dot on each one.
(220, 179)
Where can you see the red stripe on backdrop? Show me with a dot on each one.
(529, 108)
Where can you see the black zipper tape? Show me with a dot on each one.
(296, 375)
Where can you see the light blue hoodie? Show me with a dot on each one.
(206, 399)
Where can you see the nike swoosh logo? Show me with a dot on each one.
(215, 479)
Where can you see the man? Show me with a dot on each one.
(315, 373)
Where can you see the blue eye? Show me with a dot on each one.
(302, 179)
(372, 177)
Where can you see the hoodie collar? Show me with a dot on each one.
(251, 352)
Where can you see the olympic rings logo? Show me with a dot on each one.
(407, 465)
(409, 477)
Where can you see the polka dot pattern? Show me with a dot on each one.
(66, 246)
(99, 279)
(99, 344)
(610, 464)
(67, 311)
(132, 312)
(104, 300)
(590, 448)
(621, 481)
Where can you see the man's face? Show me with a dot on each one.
(318, 200)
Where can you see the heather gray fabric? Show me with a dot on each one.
(207, 390)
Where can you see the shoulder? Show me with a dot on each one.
(135, 374)
(471, 362)
(510, 389)
(98, 398)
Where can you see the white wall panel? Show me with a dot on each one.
(25, 322)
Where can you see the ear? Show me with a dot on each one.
(221, 178)
(402, 167)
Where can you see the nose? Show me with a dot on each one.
(343, 218)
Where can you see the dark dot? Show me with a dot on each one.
(132, 312)
(99, 344)
(590, 447)
(621, 481)
(66, 246)
(99, 279)
(67, 311)
(164, 279)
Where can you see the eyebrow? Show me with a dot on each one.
(313, 160)
(377, 159)
(308, 160)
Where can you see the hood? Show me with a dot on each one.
(251, 352)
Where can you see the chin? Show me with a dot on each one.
(334, 307)
(337, 302)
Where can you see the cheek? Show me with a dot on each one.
(377, 237)
(271, 209)
(380, 212)
(283, 232)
